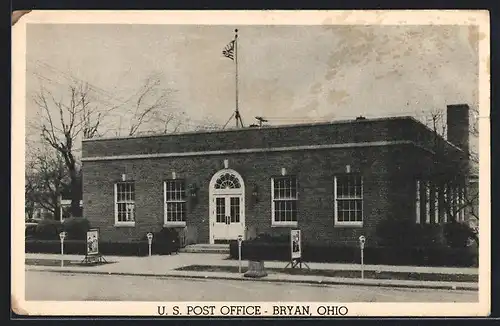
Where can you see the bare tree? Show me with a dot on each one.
(152, 108)
(63, 123)
(451, 173)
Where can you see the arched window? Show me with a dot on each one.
(227, 181)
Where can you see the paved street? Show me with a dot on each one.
(42, 285)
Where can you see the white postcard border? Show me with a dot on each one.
(239, 18)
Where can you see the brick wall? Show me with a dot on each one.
(388, 175)
(382, 169)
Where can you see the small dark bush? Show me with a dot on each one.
(393, 232)
(458, 234)
(48, 230)
(399, 232)
(429, 235)
(76, 228)
(165, 241)
(30, 231)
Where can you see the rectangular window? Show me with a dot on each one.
(462, 204)
(417, 202)
(446, 202)
(427, 202)
(435, 206)
(175, 202)
(284, 193)
(459, 203)
(453, 194)
(125, 203)
(348, 193)
(441, 210)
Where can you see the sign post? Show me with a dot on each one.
(93, 255)
(362, 240)
(150, 241)
(62, 235)
(240, 239)
(296, 250)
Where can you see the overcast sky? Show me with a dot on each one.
(288, 74)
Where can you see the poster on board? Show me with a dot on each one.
(295, 244)
(92, 242)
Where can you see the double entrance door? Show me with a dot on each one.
(229, 219)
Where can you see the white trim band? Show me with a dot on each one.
(251, 150)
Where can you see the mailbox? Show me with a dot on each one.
(150, 237)
(362, 241)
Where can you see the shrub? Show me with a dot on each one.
(393, 232)
(71, 247)
(430, 235)
(135, 248)
(272, 238)
(457, 235)
(48, 229)
(30, 230)
(76, 228)
(410, 256)
(165, 241)
(78, 247)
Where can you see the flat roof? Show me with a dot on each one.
(310, 124)
(296, 125)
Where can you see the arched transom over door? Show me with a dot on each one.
(227, 206)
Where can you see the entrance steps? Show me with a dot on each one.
(206, 248)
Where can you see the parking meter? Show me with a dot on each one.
(362, 241)
(150, 241)
(62, 235)
(240, 239)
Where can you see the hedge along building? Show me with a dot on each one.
(334, 181)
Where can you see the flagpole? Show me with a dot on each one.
(237, 113)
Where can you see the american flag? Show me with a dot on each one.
(229, 50)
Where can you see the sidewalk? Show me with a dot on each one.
(165, 266)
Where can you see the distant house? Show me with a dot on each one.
(40, 212)
(333, 181)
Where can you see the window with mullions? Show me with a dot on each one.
(175, 202)
(284, 200)
(348, 193)
(125, 203)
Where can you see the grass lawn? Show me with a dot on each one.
(343, 273)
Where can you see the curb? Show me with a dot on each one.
(453, 286)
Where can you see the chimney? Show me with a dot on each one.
(457, 120)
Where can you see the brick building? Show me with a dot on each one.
(334, 181)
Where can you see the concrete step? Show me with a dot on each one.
(206, 248)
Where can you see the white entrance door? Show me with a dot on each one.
(228, 222)
(227, 207)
